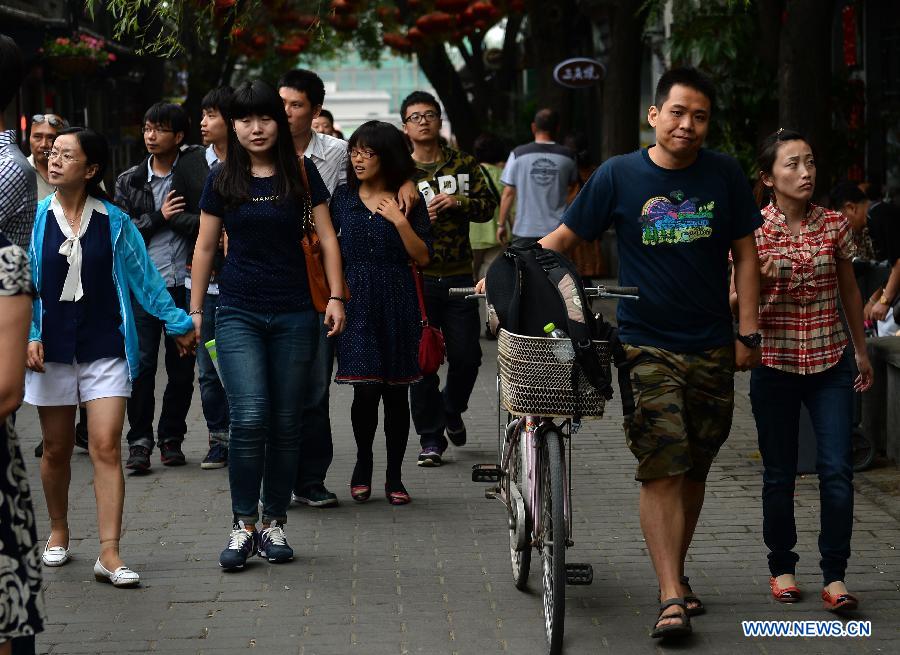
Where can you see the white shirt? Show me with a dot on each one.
(44, 188)
(329, 154)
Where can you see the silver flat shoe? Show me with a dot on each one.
(55, 555)
(121, 577)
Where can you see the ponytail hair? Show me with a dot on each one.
(96, 150)
(765, 161)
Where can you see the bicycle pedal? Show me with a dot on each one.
(486, 473)
(579, 574)
(491, 492)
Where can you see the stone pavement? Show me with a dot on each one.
(434, 576)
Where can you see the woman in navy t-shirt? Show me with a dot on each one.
(266, 331)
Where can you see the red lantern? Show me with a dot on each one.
(398, 42)
(387, 14)
(415, 35)
(292, 45)
(259, 40)
(222, 5)
(435, 23)
(342, 6)
(344, 23)
(304, 21)
(451, 6)
(484, 10)
(848, 25)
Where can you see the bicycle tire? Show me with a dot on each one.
(520, 559)
(553, 540)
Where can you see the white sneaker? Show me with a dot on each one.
(54, 556)
(121, 577)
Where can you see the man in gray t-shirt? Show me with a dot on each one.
(537, 177)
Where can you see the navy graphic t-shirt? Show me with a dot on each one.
(265, 270)
(674, 229)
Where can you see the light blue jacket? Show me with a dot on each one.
(132, 272)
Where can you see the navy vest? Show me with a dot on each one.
(91, 328)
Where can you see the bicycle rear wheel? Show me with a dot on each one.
(520, 513)
(553, 541)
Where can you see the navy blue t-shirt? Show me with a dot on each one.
(265, 270)
(674, 231)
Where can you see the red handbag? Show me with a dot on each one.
(431, 346)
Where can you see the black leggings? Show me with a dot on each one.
(364, 417)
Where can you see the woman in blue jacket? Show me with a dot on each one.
(87, 260)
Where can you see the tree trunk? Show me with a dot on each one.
(768, 46)
(621, 108)
(465, 118)
(804, 79)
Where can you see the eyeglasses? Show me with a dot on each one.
(365, 153)
(65, 156)
(425, 117)
(158, 130)
(53, 120)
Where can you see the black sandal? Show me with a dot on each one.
(681, 629)
(690, 597)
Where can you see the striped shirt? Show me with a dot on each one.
(798, 316)
(18, 192)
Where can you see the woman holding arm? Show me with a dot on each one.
(806, 252)
(88, 260)
(378, 354)
(266, 327)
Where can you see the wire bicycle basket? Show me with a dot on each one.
(534, 382)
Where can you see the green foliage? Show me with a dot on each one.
(722, 39)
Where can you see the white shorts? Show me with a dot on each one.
(73, 384)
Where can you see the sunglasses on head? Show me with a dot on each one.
(54, 121)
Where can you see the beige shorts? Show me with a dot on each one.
(73, 384)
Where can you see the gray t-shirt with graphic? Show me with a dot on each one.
(541, 174)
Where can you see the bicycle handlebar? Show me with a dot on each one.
(461, 291)
(631, 293)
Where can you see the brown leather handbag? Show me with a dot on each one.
(319, 290)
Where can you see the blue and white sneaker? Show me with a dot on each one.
(273, 545)
(242, 544)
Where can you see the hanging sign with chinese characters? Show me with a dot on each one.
(579, 72)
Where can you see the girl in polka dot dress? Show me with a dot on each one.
(378, 352)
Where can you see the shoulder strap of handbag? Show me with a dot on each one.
(420, 293)
(307, 218)
(487, 177)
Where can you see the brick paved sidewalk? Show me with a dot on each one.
(434, 576)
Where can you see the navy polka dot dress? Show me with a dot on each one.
(381, 341)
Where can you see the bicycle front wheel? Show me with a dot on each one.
(520, 512)
(553, 541)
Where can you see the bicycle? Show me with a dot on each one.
(533, 470)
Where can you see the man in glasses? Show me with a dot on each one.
(44, 128)
(162, 197)
(456, 192)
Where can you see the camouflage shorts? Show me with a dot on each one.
(683, 408)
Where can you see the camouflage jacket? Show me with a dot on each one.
(461, 177)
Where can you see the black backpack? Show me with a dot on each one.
(527, 288)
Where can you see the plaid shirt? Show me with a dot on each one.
(798, 316)
(18, 192)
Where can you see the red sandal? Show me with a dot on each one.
(786, 595)
(360, 492)
(396, 493)
(839, 602)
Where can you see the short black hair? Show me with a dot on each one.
(547, 120)
(390, 145)
(306, 81)
(419, 98)
(846, 192)
(168, 114)
(489, 148)
(12, 70)
(96, 151)
(218, 99)
(327, 114)
(685, 76)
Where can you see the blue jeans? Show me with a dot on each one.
(176, 401)
(316, 448)
(776, 397)
(212, 393)
(458, 320)
(265, 361)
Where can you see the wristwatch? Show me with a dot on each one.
(750, 340)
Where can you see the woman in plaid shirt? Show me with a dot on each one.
(805, 252)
